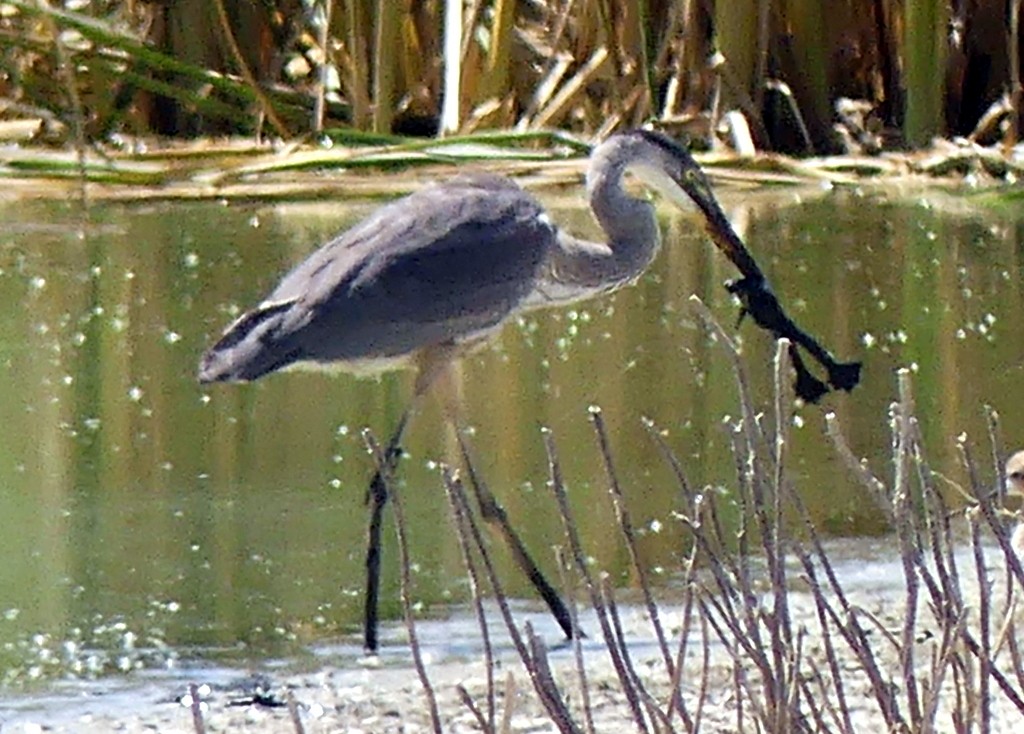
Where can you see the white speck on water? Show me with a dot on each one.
(186, 701)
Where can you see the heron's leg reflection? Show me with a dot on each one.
(431, 364)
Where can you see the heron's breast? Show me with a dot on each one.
(358, 367)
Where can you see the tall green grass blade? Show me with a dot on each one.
(924, 51)
(386, 57)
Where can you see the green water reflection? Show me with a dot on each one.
(139, 510)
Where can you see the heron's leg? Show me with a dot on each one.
(446, 389)
(431, 364)
(377, 497)
(492, 513)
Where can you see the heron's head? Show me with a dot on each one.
(666, 166)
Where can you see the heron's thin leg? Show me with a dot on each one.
(494, 515)
(431, 364)
(446, 388)
(377, 496)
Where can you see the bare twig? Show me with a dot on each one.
(405, 578)
(196, 705)
(577, 646)
(293, 713)
(629, 687)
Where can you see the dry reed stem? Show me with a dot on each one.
(469, 703)
(569, 592)
(510, 700)
(405, 577)
(629, 535)
(323, 41)
(583, 569)
(551, 113)
(466, 523)
(293, 712)
(266, 106)
(654, 713)
(478, 606)
(196, 706)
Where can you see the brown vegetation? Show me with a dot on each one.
(916, 68)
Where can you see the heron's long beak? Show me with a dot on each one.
(695, 185)
(691, 188)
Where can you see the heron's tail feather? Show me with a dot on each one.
(251, 347)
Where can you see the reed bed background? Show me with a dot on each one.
(778, 74)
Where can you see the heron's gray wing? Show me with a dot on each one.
(409, 223)
(445, 264)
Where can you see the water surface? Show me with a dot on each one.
(147, 520)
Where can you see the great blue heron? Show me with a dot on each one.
(426, 277)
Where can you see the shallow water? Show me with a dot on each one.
(148, 521)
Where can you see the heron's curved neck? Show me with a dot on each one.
(629, 223)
